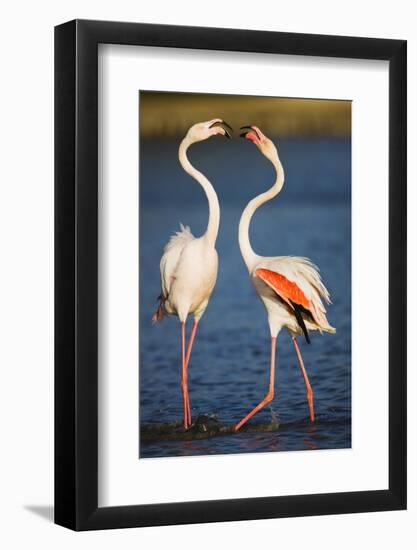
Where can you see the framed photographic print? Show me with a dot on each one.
(230, 275)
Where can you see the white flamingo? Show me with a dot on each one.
(189, 264)
(290, 287)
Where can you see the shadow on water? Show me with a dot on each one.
(208, 436)
(203, 428)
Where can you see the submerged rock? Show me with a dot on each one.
(207, 425)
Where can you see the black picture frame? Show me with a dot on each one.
(76, 272)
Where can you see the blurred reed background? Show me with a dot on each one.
(171, 114)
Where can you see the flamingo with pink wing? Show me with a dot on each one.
(290, 287)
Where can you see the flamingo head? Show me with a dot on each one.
(204, 130)
(264, 144)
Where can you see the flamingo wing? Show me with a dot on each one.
(296, 298)
(287, 290)
(168, 265)
(291, 294)
(172, 253)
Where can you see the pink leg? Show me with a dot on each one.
(184, 389)
(306, 380)
(270, 395)
(187, 360)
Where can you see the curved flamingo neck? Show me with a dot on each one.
(246, 249)
(213, 202)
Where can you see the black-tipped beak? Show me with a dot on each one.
(245, 129)
(228, 130)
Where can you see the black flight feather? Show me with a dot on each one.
(298, 310)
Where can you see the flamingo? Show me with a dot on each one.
(290, 287)
(189, 264)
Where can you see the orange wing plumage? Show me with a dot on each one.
(292, 295)
(286, 289)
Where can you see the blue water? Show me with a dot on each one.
(229, 367)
